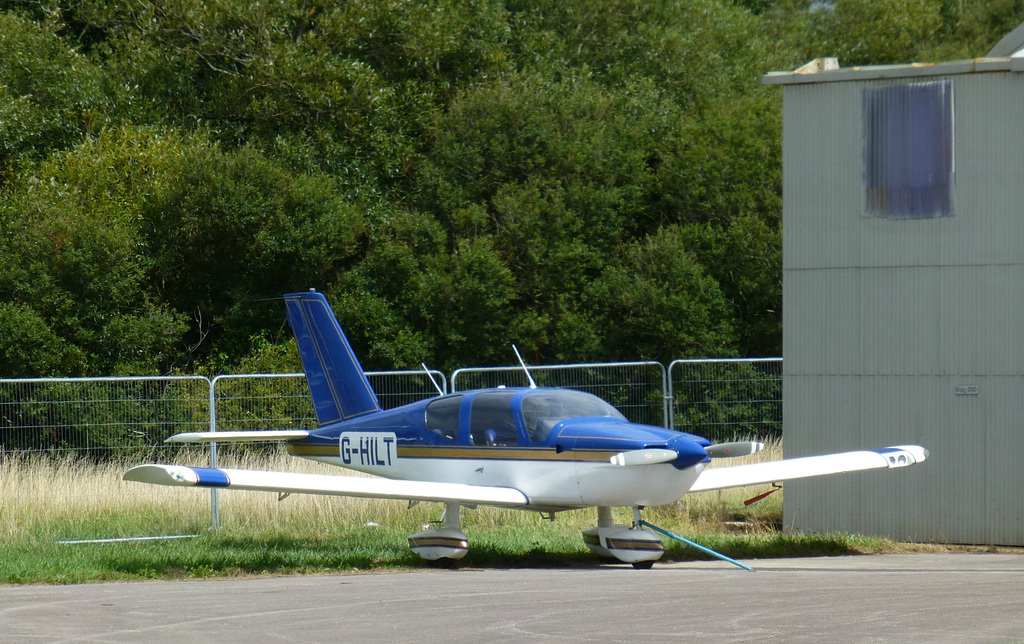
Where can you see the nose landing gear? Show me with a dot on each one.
(629, 544)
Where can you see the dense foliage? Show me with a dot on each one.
(589, 180)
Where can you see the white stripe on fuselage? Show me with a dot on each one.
(548, 484)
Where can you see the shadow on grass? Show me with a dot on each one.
(226, 555)
(737, 547)
(219, 556)
(492, 556)
(773, 546)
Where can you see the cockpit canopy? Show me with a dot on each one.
(493, 414)
(543, 409)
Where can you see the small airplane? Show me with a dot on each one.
(532, 448)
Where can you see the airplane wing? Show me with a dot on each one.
(719, 478)
(292, 482)
(239, 437)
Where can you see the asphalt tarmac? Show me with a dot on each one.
(881, 598)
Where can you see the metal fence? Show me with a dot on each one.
(727, 399)
(97, 416)
(129, 418)
(100, 415)
(720, 399)
(78, 429)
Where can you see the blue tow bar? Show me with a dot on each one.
(696, 545)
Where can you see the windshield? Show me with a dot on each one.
(542, 410)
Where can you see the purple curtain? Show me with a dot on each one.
(909, 149)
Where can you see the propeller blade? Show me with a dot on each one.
(644, 456)
(729, 450)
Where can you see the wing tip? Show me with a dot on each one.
(161, 475)
(904, 455)
(185, 437)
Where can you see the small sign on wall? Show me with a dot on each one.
(966, 390)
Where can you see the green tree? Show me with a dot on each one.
(862, 32)
(28, 346)
(464, 303)
(76, 268)
(659, 304)
(454, 175)
(229, 232)
(50, 95)
(744, 257)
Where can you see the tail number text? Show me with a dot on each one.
(376, 449)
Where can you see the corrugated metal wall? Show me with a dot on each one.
(906, 330)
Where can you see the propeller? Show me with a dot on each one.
(644, 456)
(739, 448)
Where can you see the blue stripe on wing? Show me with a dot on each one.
(210, 477)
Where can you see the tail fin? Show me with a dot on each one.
(336, 380)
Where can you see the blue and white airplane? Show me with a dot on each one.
(535, 448)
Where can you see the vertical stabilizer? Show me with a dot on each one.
(336, 380)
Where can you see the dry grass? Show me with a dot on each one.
(51, 500)
(724, 509)
(67, 493)
(73, 493)
(87, 500)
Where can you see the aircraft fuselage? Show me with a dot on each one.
(533, 440)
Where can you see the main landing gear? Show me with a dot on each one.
(630, 544)
(447, 543)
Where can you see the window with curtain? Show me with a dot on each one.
(908, 152)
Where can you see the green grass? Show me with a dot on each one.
(227, 554)
(38, 558)
(47, 501)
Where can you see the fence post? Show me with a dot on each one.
(214, 499)
(666, 398)
(670, 420)
(670, 397)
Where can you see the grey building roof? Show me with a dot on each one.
(827, 70)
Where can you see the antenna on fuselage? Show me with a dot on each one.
(533, 385)
(440, 392)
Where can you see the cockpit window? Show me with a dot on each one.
(542, 410)
(443, 417)
(491, 421)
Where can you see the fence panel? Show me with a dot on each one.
(248, 402)
(637, 389)
(397, 388)
(94, 416)
(64, 444)
(727, 399)
(78, 435)
(252, 402)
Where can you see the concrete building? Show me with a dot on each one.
(903, 293)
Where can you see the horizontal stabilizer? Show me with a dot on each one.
(296, 483)
(239, 437)
(719, 478)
